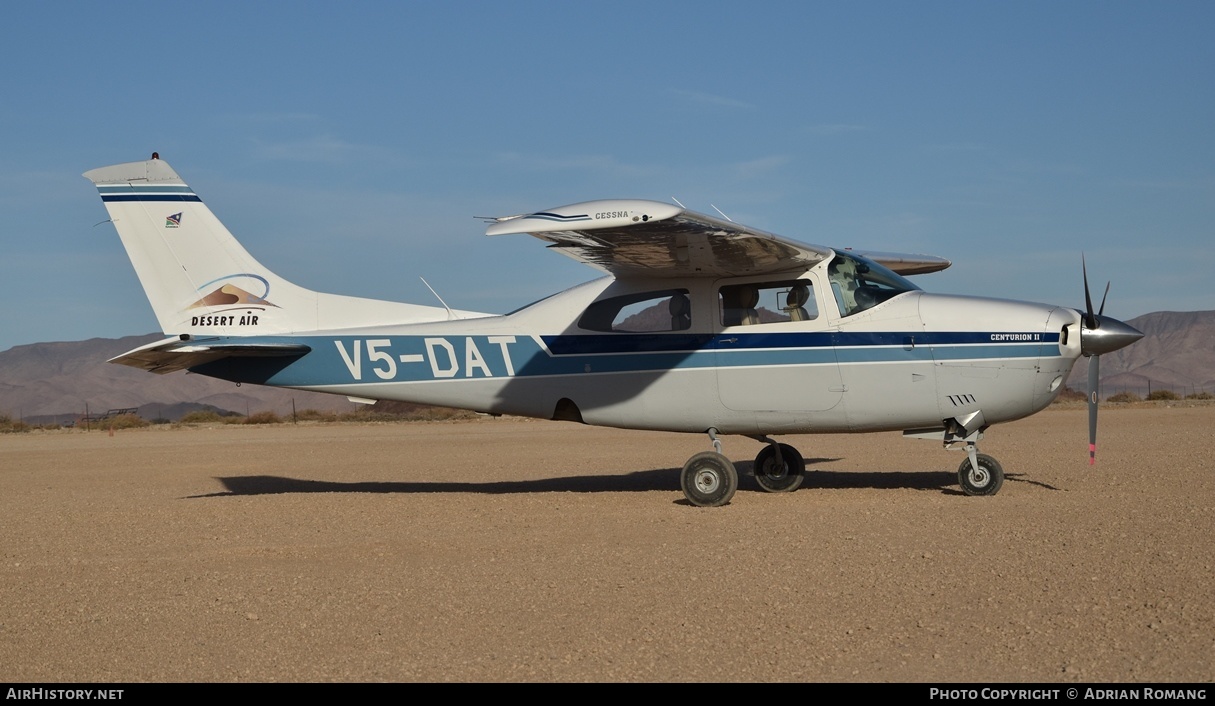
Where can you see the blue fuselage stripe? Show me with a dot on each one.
(647, 343)
(150, 197)
(352, 360)
(142, 192)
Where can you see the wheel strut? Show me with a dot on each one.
(972, 450)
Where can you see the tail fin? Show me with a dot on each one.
(200, 280)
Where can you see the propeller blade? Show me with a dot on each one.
(1094, 378)
(1099, 335)
(1089, 319)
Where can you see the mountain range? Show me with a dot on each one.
(1177, 352)
(59, 382)
(45, 382)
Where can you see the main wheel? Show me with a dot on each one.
(776, 475)
(984, 480)
(708, 479)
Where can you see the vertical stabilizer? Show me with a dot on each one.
(200, 280)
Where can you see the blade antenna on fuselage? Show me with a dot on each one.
(450, 314)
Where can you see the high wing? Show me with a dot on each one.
(635, 238)
(639, 238)
(904, 263)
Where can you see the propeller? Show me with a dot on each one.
(1099, 334)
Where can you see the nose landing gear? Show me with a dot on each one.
(980, 474)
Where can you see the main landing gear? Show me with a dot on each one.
(709, 479)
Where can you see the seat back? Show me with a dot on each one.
(796, 302)
(681, 312)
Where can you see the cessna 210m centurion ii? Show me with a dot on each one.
(700, 325)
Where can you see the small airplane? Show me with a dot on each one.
(699, 325)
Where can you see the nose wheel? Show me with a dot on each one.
(980, 474)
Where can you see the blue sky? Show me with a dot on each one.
(350, 146)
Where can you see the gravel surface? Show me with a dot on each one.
(510, 550)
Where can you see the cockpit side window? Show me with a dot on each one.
(859, 284)
(644, 312)
(767, 302)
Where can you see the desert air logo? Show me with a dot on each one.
(173, 221)
(230, 303)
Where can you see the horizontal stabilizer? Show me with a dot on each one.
(174, 354)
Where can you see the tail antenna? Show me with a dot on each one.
(450, 314)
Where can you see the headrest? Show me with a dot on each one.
(748, 297)
(798, 296)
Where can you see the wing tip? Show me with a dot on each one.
(585, 215)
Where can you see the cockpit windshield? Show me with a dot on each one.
(859, 283)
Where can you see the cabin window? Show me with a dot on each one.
(646, 312)
(859, 284)
(768, 302)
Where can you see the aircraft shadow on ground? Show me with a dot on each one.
(638, 482)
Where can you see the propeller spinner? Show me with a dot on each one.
(1099, 334)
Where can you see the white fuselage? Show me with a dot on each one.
(913, 361)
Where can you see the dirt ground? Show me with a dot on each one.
(506, 550)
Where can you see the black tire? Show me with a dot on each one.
(775, 476)
(708, 479)
(985, 481)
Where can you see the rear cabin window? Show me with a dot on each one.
(646, 312)
(767, 302)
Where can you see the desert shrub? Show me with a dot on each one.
(313, 415)
(7, 425)
(1071, 395)
(1200, 396)
(125, 421)
(263, 418)
(368, 415)
(1124, 397)
(441, 413)
(416, 413)
(1163, 395)
(200, 417)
